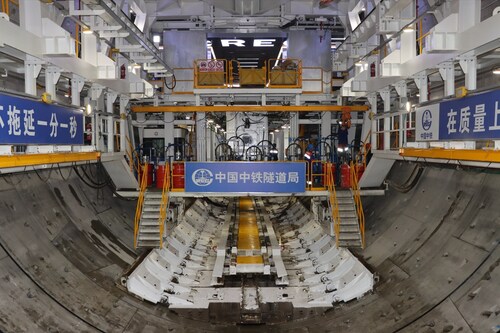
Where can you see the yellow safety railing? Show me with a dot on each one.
(140, 201)
(131, 154)
(164, 202)
(357, 201)
(288, 74)
(211, 73)
(316, 180)
(334, 204)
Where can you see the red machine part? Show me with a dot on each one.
(160, 176)
(178, 175)
(345, 176)
(150, 172)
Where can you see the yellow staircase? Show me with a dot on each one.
(151, 213)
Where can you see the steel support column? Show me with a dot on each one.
(421, 83)
(447, 71)
(111, 97)
(32, 68)
(468, 63)
(77, 83)
(52, 76)
(372, 100)
(94, 93)
(124, 123)
(385, 94)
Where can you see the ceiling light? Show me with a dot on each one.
(358, 64)
(88, 109)
(137, 66)
(418, 95)
(408, 29)
(496, 71)
(87, 30)
(160, 47)
(156, 38)
(276, 130)
(188, 117)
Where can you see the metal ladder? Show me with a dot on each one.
(349, 232)
(151, 213)
(149, 227)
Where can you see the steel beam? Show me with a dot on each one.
(40, 159)
(492, 156)
(248, 108)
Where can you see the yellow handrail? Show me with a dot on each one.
(357, 201)
(140, 201)
(164, 201)
(334, 204)
(131, 153)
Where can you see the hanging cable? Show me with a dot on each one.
(48, 177)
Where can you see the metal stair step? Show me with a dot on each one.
(151, 208)
(149, 230)
(149, 215)
(143, 237)
(347, 207)
(347, 214)
(152, 195)
(148, 243)
(349, 236)
(345, 200)
(148, 223)
(344, 194)
(350, 243)
(152, 202)
(349, 228)
(349, 221)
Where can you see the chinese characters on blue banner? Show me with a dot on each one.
(245, 177)
(469, 118)
(24, 121)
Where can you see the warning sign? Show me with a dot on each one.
(211, 66)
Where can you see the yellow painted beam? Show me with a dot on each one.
(453, 154)
(247, 108)
(14, 161)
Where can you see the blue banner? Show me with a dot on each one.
(25, 121)
(246, 177)
(475, 117)
(469, 118)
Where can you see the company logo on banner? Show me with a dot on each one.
(211, 66)
(245, 177)
(24, 121)
(475, 117)
(427, 123)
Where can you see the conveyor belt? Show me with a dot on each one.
(248, 233)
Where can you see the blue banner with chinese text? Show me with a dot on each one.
(468, 118)
(245, 177)
(475, 117)
(25, 121)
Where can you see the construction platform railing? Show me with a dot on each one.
(140, 201)
(333, 201)
(357, 200)
(164, 202)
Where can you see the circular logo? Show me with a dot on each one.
(426, 120)
(202, 177)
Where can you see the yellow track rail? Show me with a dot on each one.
(492, 156)
(248, 233)
(164, 202)
(334, 204)
(357, 200)
(140, 201)
(22, 160)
